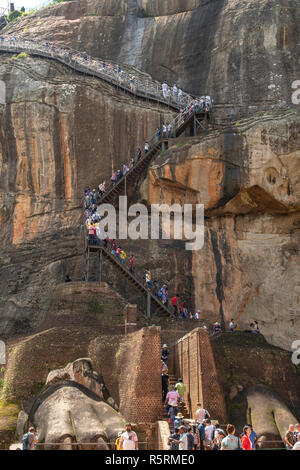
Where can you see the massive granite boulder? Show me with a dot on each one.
(241, 52)
(75, 407)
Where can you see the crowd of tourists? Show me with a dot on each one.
(202, 432)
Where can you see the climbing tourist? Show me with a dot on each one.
(67, 278)
(216, 327)
(180, 387)
(289, 437)
(29, 439)
(85, 56)
(101, 189)
(147, 147)
(231, 442)
(164, 131)
(129, 439)
(201, 414)
(231, 325)
(246, 443)
(169, 131)
(114, 178)
(158, 134)
(174, 305)
(196, 316)
(148, 279)
(164, 379)
(179, 420)
(132, 264)
(256, 327)
(175, 91)
(172, 398)
(164, 89)
(123, 256)
(165, 353)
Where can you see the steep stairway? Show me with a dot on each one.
(181, 123)
(155, 302)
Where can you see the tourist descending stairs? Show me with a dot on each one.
(158, 306)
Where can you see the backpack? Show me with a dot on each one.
(25, 441)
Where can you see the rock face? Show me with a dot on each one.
(240, 52)
(248, 180)
(59, 133)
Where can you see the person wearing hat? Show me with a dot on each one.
(165, 354)
(178, 420)
(118, 447)
(183, 440)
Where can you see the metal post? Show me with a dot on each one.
(87, 264)
(195, 125)
(100, 265)
(148, 305)
(205, 123)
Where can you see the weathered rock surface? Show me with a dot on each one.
(248, 180)
(240, 52)
(74, 407)
(59, 133)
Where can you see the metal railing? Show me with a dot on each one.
(131, 81)
(83, 445)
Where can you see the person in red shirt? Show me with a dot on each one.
(246, 443)
(174, 305)
(131, 264)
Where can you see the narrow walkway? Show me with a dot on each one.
(130, 80)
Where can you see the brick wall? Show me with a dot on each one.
(130, 314)
(194, 363)
(140, 375)
(162, 434)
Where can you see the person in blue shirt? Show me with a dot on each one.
(252, 437)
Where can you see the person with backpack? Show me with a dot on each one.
(29, 439)
(231, 442)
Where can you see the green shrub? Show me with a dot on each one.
(22, 55)
(14, 15)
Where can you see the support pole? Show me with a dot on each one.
(148, 305)
(100, 265)
(205, 123)
(87, 264)
(195, 125)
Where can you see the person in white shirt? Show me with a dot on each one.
(183, 440)
(231, 325)
(197, 315)
(200, 414)
(164, 131)
(209, 433)
(297, 445)
(129, 440)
